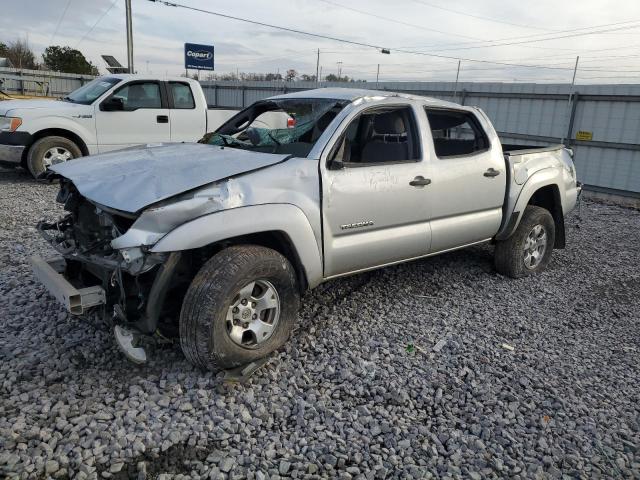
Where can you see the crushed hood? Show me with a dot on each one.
(134, 178)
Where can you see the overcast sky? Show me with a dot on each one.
(454, 28)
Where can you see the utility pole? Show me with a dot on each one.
(129, 37)
(455, 88)
(318, 69)
(320, 77)
(339, 70)
(573, 83)
(377, 75)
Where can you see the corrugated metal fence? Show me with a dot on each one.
(40, 82)
(532, 114)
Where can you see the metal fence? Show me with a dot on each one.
(600, 122)
(40, 82)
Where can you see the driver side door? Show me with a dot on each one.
(375, 189)
(144, 117)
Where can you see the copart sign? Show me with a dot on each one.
(199, 57)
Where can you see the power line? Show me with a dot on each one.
(543, 39)
(64, 12)
(531, 36)
(97, 22)
(342, 40)
(487, 19)
(368, 45)
(400, 22)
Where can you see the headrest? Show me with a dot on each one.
(389, 124)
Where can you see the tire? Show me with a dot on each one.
(36, 161)
(206, 331)
(513, 256)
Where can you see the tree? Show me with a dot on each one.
(68, 60)
(19, 54)
(290, 75)
(308, 78)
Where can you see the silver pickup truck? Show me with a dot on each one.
(219, 239)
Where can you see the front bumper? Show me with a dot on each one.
(76, 301)
(11, 153)
(12, 146)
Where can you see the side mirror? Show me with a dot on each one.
(112, 104)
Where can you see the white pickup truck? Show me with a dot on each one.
(109, 113)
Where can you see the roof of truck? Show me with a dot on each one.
(142, 76)
(352, 94)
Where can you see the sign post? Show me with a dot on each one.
(198, 57)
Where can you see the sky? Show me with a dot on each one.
(542, 36)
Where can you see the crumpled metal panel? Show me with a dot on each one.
(129, 180)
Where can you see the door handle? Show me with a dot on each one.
(420, 181)
(162, 118)
(492, 172)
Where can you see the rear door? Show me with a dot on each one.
(143, 118)
(468, 178)
(188, 119)
(375, 192)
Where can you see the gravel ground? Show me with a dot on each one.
(398, 373)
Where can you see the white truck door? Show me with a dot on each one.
(374, 202)
(134, 114)
(188, 118)
(468, 179)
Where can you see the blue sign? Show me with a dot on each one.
(199, 57)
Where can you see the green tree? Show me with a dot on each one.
(68, 60)
(19, 54)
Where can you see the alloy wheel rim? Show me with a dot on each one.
(535, 247)
(56, 155)
(253, 315)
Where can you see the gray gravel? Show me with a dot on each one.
(405, 372)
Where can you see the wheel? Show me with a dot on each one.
(529, 249)
(240, 307)
(48, 151)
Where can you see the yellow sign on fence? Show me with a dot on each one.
(584, 135)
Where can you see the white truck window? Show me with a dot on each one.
(456, 133)
(181, 95)
(140, 95)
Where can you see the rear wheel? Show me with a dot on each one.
(529, 249)
(240, 307)
(48, 151)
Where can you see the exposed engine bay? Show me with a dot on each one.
(135, 282)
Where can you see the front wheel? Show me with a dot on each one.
(48, 151)
(529, 249)
(240, 307)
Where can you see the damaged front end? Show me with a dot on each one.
(127, 286)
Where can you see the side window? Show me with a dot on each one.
(140, 95)
(456, 133)
(181, 95)
(382, 135)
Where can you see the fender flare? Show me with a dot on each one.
(235, 222)
(540, 179)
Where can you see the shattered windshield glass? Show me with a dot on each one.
(289, 126)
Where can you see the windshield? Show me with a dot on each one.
(92, 90)
(289, 126)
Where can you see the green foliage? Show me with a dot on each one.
(68, 60)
